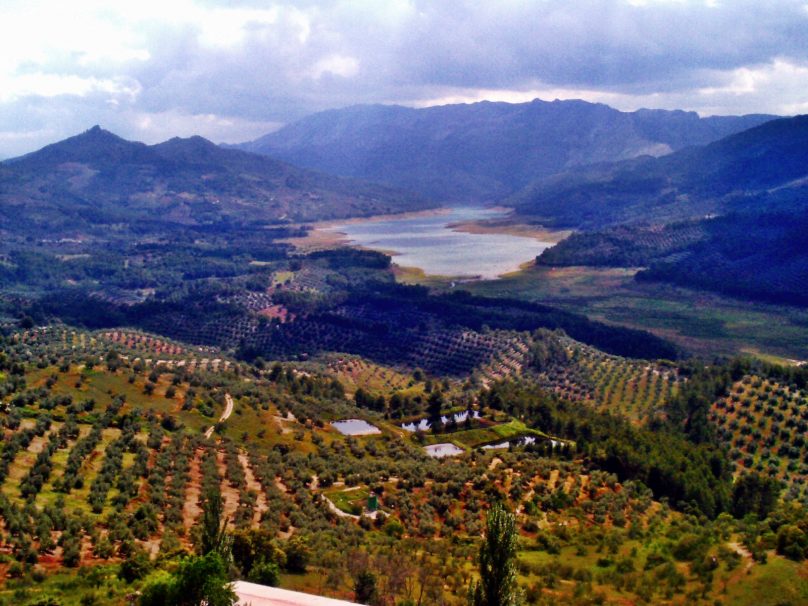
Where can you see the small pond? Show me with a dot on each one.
(355, 427)
(423, 424)
(443, 450)
(523, 441)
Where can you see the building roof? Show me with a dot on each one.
(252, 594)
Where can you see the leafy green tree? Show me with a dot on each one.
(365, 588)
(297, 554)
(199, 580)
(265, 573)
(254, 546)
(434, 406)
(497, 585)
(136, 566)
(792, 542)
(753, 493)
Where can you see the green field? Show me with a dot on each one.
(700, 322)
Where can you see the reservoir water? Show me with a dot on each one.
(429, 243)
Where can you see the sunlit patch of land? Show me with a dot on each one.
(700, 322)
(510, 227)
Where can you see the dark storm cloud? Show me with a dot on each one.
(232, 70)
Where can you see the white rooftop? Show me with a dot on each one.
(252, 594)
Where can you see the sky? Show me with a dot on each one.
(233, 71)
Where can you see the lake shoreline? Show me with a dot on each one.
(447, 243)
(509, 227)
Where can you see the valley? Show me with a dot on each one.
(209, 356)
(701, 323)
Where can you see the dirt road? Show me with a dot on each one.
(228, 410)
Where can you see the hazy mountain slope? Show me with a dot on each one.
(485, 150)
(752, 170)
(97, 178)
(730, 216)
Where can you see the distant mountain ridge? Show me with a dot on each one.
(731, 216)
(484, 151)
(759, 169)
(98, 178)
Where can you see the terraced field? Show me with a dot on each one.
(764, 422)
(637, 389)
(104, 458)
(355, 372)
(133, 345)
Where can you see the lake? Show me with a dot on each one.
(429, 243)
(523, 441)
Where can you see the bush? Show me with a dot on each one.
(792, 542)
(198, 580)
(689, 548)
(265, 573)
(297, 554)
(135, 567)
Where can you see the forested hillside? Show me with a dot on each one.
(728, 217)
(125, 456)
(761, 169)
(97, 181)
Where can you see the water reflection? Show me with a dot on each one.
(424, 424)
(443, 450)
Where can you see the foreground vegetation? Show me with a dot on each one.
(107, 477)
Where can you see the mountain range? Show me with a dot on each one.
(99, 179)
(484, 151)
(716, 203)
(559, 163)
(760, 168)
(729, 216)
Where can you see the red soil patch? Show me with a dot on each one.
(254, 485)
(229, 494)
(190, 508)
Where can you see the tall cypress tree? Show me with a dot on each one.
(214, 526)
(497, 585)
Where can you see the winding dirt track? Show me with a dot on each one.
(228, 410)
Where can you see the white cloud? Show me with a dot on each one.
(779, 74)
(336, 65)
(777, 87)
(64, 66)
(54, 85)
(152, 127)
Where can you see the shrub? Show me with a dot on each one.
(265, 573)
(135, 567)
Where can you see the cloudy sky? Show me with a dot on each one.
(232, 71)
